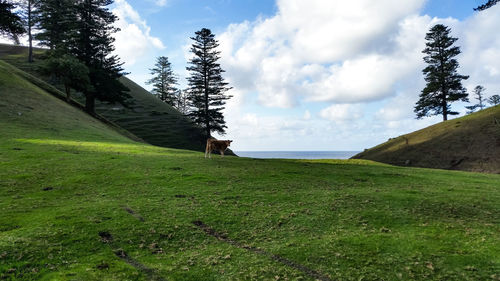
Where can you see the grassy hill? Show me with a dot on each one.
(148, 118)
(80, 201)
(470, 143)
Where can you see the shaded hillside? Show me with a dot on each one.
(26, 108)
(153, 120)
(147, 117)
(470, 143)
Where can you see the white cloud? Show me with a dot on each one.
(161, 3)
(307, 115)
(323, 51)
(133, 41)
(342, 113)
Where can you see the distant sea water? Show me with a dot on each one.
(298, 154)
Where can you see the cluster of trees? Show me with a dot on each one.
(206, 94)
(444, 83)
(79, 35)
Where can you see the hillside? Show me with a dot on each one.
(80, 201)
(469, 143)
(26, 108)
(148, 118)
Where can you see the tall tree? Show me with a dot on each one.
(164, 81)
(56, 20)
(207, 88)
(444, 84)
(494, 100)
(479, 96)
(93, 45)
(487, 5)
(11, 24)
(30, 18)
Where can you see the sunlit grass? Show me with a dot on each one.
(128, 148)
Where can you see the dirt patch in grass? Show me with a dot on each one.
(133, 213)
(151, 273)
(106, 237)
(310, 272)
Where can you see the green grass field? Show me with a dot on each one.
(79, 201)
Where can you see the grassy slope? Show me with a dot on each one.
(66, 182)
(154, 121)
(470, 143)
(148, 118)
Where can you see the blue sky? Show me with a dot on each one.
(313, 74)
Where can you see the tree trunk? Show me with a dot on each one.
(207, 115)
(445, 111)
(30, 36)
(68, 93)
(90, 103)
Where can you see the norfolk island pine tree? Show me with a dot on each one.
(444, 84)
(206, 86)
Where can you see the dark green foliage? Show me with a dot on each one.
(444, 84)
(71, 72)
(494, 100)
(56, 22)
(478, 93)
(84, 29)
(207, 89)
(164, 81)
(93, 45)
(488, 5)
(11, 24)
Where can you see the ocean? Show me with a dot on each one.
(298, 154)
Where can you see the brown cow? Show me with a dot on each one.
(213, 144)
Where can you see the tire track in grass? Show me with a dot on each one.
(133, 213)
(107, 238)
(310, 272)
(151, 273)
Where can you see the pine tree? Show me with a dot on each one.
(488, 5)
(444, 84)
(494, 100)
(92, 43)
(478, 94)
(29, 14)
(56, 21)
(164, 81)
(207, 88)
(11, 24)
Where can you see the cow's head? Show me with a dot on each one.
(228, 142)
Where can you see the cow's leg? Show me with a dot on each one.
(206, 150)
(222, 153)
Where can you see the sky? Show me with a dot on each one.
(313, 75)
